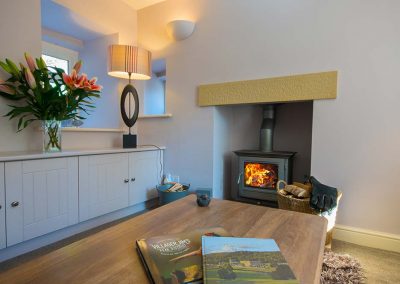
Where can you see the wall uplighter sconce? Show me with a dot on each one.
(180, 29)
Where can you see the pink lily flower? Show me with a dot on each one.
(96, 88)
(6, 89)
(30, 62)
(74, 74)
(77, 66)
(70, 80)
(75, 81)
(30, 79)
(93, 81)
(90, 85)
(80, 83)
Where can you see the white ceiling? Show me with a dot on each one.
(58, 18)
(140, 4)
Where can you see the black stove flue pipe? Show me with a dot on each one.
(267, 128)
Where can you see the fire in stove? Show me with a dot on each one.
(260, 175)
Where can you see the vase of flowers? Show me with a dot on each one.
(51, 135)
(47, 94)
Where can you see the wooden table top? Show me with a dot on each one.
(109, 256)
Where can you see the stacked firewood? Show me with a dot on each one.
(298, 190)
(176, 187)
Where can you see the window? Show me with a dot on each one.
(61, 57)
(56, 62)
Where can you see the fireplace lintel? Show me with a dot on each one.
(295, 88)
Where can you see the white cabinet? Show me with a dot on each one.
(2, 209)
(103, 184)
(41, 197)
(145, 171)
(115, 181)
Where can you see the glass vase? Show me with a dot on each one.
(51, 136)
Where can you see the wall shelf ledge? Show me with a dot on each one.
(165, 115)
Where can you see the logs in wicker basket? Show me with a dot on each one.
(288, 200)
(294, 197)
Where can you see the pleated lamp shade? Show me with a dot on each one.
(127, 59)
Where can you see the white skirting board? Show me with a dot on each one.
(368, 238)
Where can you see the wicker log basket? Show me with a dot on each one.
(290, 202)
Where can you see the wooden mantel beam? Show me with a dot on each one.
(304, 87)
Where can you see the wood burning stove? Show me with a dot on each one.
(260, 171)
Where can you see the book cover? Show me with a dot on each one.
(175, 259)
(244, 260)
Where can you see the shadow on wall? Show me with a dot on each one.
(293, 132)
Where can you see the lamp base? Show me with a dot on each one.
(129, 141)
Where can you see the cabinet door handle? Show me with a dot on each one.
(126, 180)
(133, 179)
(0, 207)
(14, 204)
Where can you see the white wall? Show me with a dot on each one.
(355, 137)
(25, 35)
(94, 56)
(154, 96)
(18, 36)
(109, 17)
(235, 128)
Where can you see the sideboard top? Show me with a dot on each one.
(34, 155)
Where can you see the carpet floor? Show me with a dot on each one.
(379, 266)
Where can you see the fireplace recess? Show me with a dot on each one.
(259, 171)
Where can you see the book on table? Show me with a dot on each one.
(244, 260)
(175, 259)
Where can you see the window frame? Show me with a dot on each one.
(60, 52)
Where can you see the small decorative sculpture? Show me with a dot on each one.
(203, 200)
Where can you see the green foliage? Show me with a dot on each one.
(51, 99)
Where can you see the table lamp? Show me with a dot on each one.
(132, 63)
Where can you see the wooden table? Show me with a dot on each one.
(109, 256)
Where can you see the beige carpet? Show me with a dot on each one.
(379, 266)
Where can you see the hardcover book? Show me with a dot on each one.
(244, 260)
(175, 258)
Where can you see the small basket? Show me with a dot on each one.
(290, 202)
(166, 197)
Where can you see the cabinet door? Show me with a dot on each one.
(145, 173)
(2, 209)
(41, 197)
(103, 184)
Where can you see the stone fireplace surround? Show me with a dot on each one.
(239, 108)
(293, 132)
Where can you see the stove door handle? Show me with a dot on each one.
(239, 177)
